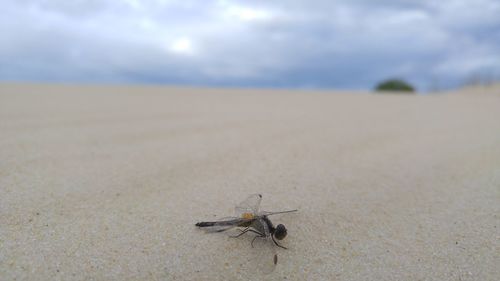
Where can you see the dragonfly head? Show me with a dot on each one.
(280, 232)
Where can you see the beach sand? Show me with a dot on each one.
(107, 182)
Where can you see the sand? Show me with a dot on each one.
(107, 182)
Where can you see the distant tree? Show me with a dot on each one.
(395, 85)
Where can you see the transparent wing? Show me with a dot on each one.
(249, 206)
(266, 213)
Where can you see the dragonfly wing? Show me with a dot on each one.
(266, 213)
(249, 206)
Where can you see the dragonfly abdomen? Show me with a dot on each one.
(205, 223)
(231, 222)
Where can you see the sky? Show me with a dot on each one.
(323, 44)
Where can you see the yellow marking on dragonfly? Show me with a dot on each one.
(247, 216)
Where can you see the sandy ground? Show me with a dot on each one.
(106, 183)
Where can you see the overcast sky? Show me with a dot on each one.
(348, 44)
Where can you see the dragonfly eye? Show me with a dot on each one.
(280, 232)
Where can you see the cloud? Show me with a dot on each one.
(297, 43)
(182, 45)
(246, 14)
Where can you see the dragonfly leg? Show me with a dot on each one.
(257, 236)
(272, 237)
(256, 232)
(242, 232)
(254, 240)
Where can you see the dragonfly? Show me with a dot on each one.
(251, 219)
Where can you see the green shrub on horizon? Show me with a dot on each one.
(396, 85)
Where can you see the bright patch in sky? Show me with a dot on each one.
(182, 46)
(248, 14)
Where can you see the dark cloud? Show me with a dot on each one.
(319, 44)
